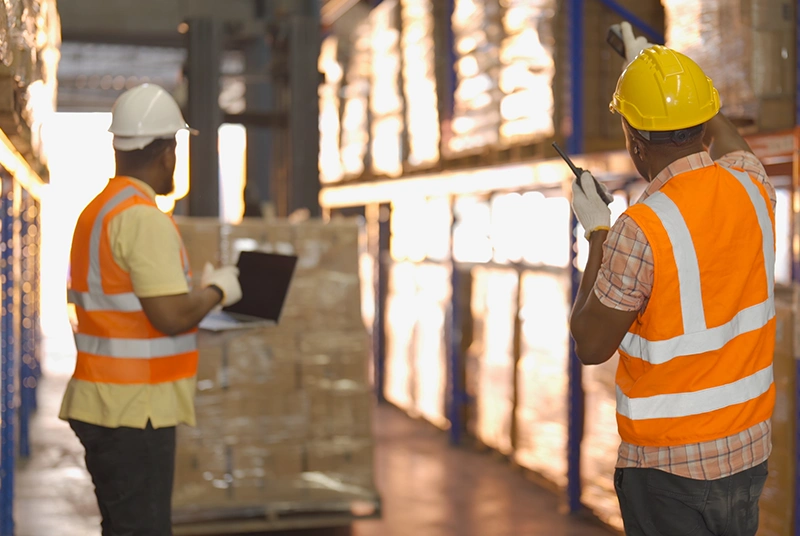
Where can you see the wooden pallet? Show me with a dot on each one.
(273, 518)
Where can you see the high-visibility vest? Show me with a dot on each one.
(116, 342)
(697, 364)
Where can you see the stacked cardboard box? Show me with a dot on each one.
(777, 500)
(283, 412)
(748, 48)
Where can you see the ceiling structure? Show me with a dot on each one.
(110, 45)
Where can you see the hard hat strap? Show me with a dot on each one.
(678, 137)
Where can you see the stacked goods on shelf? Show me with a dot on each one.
(330, 158)
(477, 40)
(491, 357)
(778, 497)
(416, 355)
(527, 57)
(355, 91)
(30, 37)
(283, 412)
(541, 413)
(419, 82)
(748, 48)
(386, 98)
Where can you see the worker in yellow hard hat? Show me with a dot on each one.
(682, 287)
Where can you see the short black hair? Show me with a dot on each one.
(142, 158)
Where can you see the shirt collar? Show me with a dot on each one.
(143, 186)
(682, 165)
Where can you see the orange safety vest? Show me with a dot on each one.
(697, 364)
(116, 342)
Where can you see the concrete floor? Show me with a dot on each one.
(428, 489)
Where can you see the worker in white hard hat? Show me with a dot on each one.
(137, 314)
(682, 287)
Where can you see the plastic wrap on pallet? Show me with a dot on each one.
(477, 35)
(416, 366)
(30, 31)
(330, 158)
(283, 412)
(355, 102)
(386, 98)
(527, 71)
(419, 82)
(505, 68)
(490, 367)
(541, 414)
(747, 47)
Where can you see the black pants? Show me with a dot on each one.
(133, 472)
(655, 503)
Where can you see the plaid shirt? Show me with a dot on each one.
(625, 282)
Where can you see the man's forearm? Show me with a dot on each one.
(199, 304)
(593, 263)
(177, 314)
(722, 137)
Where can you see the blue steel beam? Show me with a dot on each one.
(26, 369)
(575, 374)
(8, 361)
(653, 35)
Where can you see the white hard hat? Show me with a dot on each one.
(143, 114)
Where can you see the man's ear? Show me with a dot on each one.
(639, 148)
(168, 155)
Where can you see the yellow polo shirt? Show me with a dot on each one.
(146, 244)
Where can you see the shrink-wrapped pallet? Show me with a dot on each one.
(283, 412)
(747, 47)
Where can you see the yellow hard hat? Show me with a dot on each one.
(663, 90)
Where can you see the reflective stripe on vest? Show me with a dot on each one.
(126, 302)
(136, 348)
(697, 337)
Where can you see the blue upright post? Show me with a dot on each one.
(575, 146)
(456, 395)
(27, 328)
(8, 378)
(37, 259)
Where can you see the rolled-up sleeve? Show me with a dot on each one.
(625, 280)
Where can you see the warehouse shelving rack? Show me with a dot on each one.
(20, 194)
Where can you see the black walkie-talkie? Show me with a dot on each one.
(614, 38)
(602, 192)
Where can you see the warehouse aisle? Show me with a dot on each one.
(428, 488)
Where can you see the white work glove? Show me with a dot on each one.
(633, 45)
(590, 209)
(226, 279)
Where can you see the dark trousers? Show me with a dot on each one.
(132, 471)
(655, 503)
